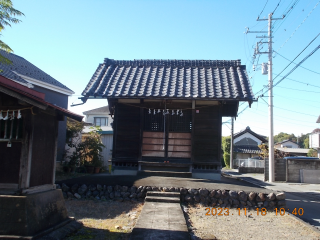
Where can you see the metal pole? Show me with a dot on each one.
(271, 143)
(231, 145)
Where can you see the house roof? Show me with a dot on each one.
(32, 97)
(293, 150)
(100, 110)
(246, 149)
(248, 130)
(23, 71)
(284, 141)
(175, 79)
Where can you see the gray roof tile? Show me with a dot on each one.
(193, 79)
(22, 66)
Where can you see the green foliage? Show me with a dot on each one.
(284, 136)
(86, 150)
(7, 17)
(226, 142)
(305, 142)
(74, 129)
(312, 153)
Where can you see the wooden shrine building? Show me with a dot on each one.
(168, 113)
(29, 202)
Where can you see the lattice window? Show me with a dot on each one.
(11, 129)
(153, 122)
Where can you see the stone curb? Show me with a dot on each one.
(208, 197)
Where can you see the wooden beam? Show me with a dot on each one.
(37, 189)
(9, 185)
(23, 98)
(26, 152)
(193, 112)
(55, 152)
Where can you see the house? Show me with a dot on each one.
(168, 113)
(246, 144)
(293, 151)
(27, 74)
(101, 117)
(286, 144)
(29, 202)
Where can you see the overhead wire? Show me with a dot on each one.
(296, 63)
(299, 26)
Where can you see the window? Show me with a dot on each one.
(101, 121)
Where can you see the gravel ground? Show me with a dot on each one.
(251, 226)
(103, 219)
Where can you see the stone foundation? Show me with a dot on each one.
(207, 197)
(31, 214)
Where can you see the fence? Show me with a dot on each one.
(279, 169)
(252, 163)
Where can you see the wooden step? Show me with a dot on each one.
(163, 194)
(165, 174)
(162, 199)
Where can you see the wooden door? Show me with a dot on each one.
(167, 136)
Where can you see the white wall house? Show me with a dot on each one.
(246, 144)
(100, 117)
(286, 144)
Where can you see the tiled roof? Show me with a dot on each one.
(248, 130)
(193, 79)
(104, 109)
(32, 94)
(293, 150)
(247, 149)
(22, 66)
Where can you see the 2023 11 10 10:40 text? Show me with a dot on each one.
(259, 211)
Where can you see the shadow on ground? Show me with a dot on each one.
(103, 219)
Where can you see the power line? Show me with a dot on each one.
(295, 63)
(263, 9)
(285, 15)
(292, 70)
(276, 7)
(296, 112)
(298, 90)
(296, 98)
(299, 25)
(292, 22)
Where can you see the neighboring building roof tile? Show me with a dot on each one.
(248, 130)
(104, 109)
(246, 149)
(18, 88)
(193, 79)
(22, 66)
(293, 150)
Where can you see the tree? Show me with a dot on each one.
(7, 17)
(226, 142)
(284, 136)
(312, 153)
(306, 142)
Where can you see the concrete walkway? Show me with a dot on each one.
(298, 195)
(159, 221)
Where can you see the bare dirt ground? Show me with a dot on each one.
(252, 226)
(103, 220)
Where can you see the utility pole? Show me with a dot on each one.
(271, 141)
(231, 145)
(269, 52)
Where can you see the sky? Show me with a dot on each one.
(68, 39)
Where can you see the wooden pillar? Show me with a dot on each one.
(26, 152)
(141, 130)
(193, 112)
(55, 151)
